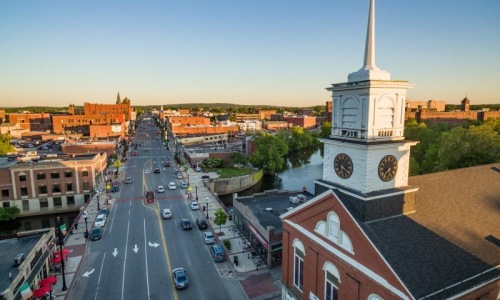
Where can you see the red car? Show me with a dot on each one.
(134, 152)
(150, 197)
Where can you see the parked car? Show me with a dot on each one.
(160, 189)
(201, 223)
(96, 234)
(104, 211)
(181, 280)
(150, 197)
(115, 189)
(100, 221)
(208, 237)
(172, 186)
(194, 205)
(186, 224)
(183, 185)
(166, 213)
(179, 175)
(217, 253)
(128, 180)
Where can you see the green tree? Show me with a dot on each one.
(239, 158)
(269, 152)
(9, 213)
(220, 218)
(5, 145)
(326, 129)
(212, 163)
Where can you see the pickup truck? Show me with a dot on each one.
(150, 197)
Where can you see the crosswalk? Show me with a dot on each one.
(227, 273)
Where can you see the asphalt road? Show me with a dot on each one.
(139, 249)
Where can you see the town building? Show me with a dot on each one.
(435, 105)
(257, 217)
(13, 129)
(275, 125)
(55, 183)
(266, 114)
(250, 125)
(32, 121)
(24, 262)
(247, 117)
(301, 121)
(371, 232)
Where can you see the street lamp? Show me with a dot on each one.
(86, 229)
(64, 287)
(196, 185)
(98, 208)
(188, 178)
(207, 207)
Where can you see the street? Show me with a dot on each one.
(138, 250)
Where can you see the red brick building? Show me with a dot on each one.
(31, 121)
(301, 121)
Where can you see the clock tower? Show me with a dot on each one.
(366, 159)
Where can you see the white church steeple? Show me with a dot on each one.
(370, 71)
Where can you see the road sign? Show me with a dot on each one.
(108, 187)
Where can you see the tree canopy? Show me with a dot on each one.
(5, 145)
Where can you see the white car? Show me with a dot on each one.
(208, 237)
(172, 186)
(100, 221)
(166, 213)
(160, 189)
(147, 171)
(194, 205)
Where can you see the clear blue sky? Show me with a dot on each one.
(278, 52)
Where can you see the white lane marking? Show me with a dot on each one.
(146, 255)
(99, 279)
(113, 218)
(189, 262)
(125, 259)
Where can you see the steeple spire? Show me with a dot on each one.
(369, 71)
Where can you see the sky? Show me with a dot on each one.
(260, 52)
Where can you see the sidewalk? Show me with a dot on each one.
(258, 282)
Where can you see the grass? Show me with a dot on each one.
(231, 172)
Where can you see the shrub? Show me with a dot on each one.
(227, 244)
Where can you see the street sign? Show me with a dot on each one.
(108, 187)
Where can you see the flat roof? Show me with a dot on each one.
(10, 248)
(276, 200)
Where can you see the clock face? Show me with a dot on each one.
(343, 165)
(387, 168)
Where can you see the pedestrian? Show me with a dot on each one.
(76, 226)
(10, 276)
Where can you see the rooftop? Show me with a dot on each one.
(453, 236)
(269, 205)
(9, 249)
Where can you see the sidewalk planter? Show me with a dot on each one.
(227, 245)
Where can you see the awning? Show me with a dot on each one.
(257, 235)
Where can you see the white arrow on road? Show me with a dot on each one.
(135, 248)
(115, 252)
(154, 245)
(86, 274)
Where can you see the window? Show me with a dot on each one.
(85, 173)
(54, 175)
(5, 204)
(27, 225)
(5, 193)
(86, 186)
(44, 203)
(70, 200)
(332, 280)
(298, 266)
(68, 174)
(69, 187)
(56, 188)
(22, 177)
(86, 197)
(57, 201)
(26, 205)
(375, 297)
(24, 191)
(40, 176)
(42, 189)
(333, 226)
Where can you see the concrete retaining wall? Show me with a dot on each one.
(235, 184)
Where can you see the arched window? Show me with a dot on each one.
(385, 113)
(298, 265)
(332, 281)
(350, 113)
(375, 297)
(333, 226)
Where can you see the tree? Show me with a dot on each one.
(220, 218)
(9, 213)
(269, 152)
(239, 159)
(326, 129)
(5, 145)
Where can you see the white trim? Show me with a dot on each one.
(363, 269)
